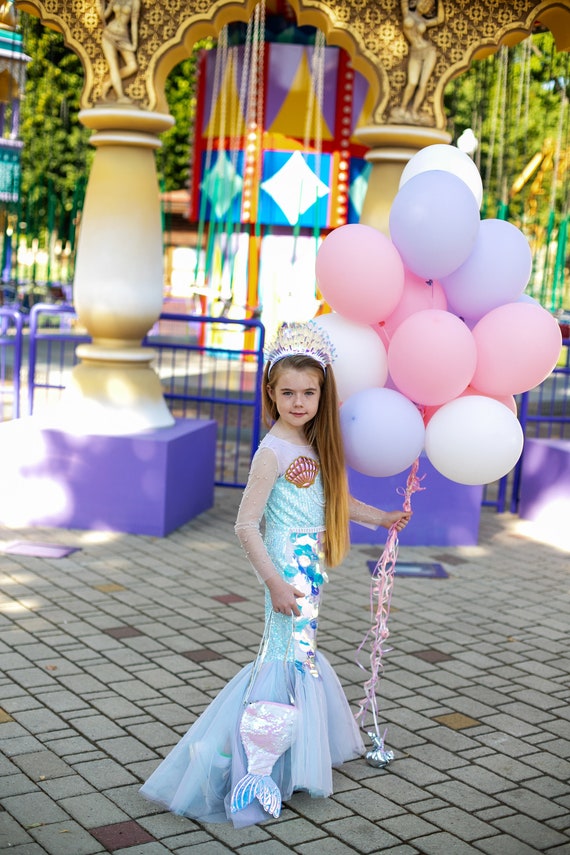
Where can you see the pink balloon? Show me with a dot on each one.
(360, 273)
(418, 294)
(507, 400)
(518, 345)
(432, 357)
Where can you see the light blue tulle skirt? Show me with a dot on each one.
(198, 776)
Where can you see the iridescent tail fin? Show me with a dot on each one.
(260, 787)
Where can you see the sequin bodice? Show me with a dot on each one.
(294, 527)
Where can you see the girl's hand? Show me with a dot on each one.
(398, 518)
(283, 596)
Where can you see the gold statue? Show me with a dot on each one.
(8, 15)
(120, 43)
(418, 16)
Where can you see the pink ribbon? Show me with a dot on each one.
(381, 587)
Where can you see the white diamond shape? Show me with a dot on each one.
(222, 184)
(295, 187)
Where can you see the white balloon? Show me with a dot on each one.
(446, 158)
(383, 432)
(473, 440)
(361, 359)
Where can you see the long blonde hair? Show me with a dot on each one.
(324, 435)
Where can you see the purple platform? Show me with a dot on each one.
(445, 513)
(148, 483)
(545, 477)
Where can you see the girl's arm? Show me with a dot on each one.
(262, 477)
(360, 512)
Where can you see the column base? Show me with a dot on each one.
(146, 483)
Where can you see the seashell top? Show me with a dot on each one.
(285, 487)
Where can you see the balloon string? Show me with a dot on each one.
(381, 587)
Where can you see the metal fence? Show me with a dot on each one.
(543, 412)
(210, 368)
(208, 372)
(11, 326)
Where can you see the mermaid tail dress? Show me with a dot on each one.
(198, 776)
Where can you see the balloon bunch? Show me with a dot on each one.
(433, 332)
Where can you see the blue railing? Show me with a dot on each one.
(205, 373)
(11, 326)
(205, 370)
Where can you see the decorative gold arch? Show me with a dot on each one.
(369, 30)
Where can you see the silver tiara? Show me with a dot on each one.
(296, 339)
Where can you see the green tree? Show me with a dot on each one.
(174, 157)
(514, 101)
(56, 154)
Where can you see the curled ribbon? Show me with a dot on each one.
(381, 586)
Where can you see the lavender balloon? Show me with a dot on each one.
(496, 272)
(434, 223)
(383, 432)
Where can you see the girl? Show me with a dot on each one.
(298, 483)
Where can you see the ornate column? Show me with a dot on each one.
(118, 285)
(119, 277)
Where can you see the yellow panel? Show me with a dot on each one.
(234, 118)
(291, 118)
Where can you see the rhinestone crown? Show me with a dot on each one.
(301, 339)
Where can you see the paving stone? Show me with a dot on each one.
(295, 831)
(531, 832)
(42, 765)
(432, 755)
(11, 832)
(369, 804)
(363, 835)
(17, 784)
(460, 794)
(437, 844)
(60, 788)
(66, 838)
(527, 802)
(503, 844)
(92, 810)
(100, 773)
(31, 809)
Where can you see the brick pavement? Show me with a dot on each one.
(107, 655)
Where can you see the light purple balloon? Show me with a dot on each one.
(434, 222)
(496, 272)
(383, 432)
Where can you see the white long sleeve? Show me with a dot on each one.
(262, 477)
(364, 514)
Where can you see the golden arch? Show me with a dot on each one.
(369, 30)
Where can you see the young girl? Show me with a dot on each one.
(298, 484)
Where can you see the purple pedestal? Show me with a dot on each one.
(445, 513)
(545, 477)
(148, 483)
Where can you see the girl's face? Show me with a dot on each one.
(296, 395)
